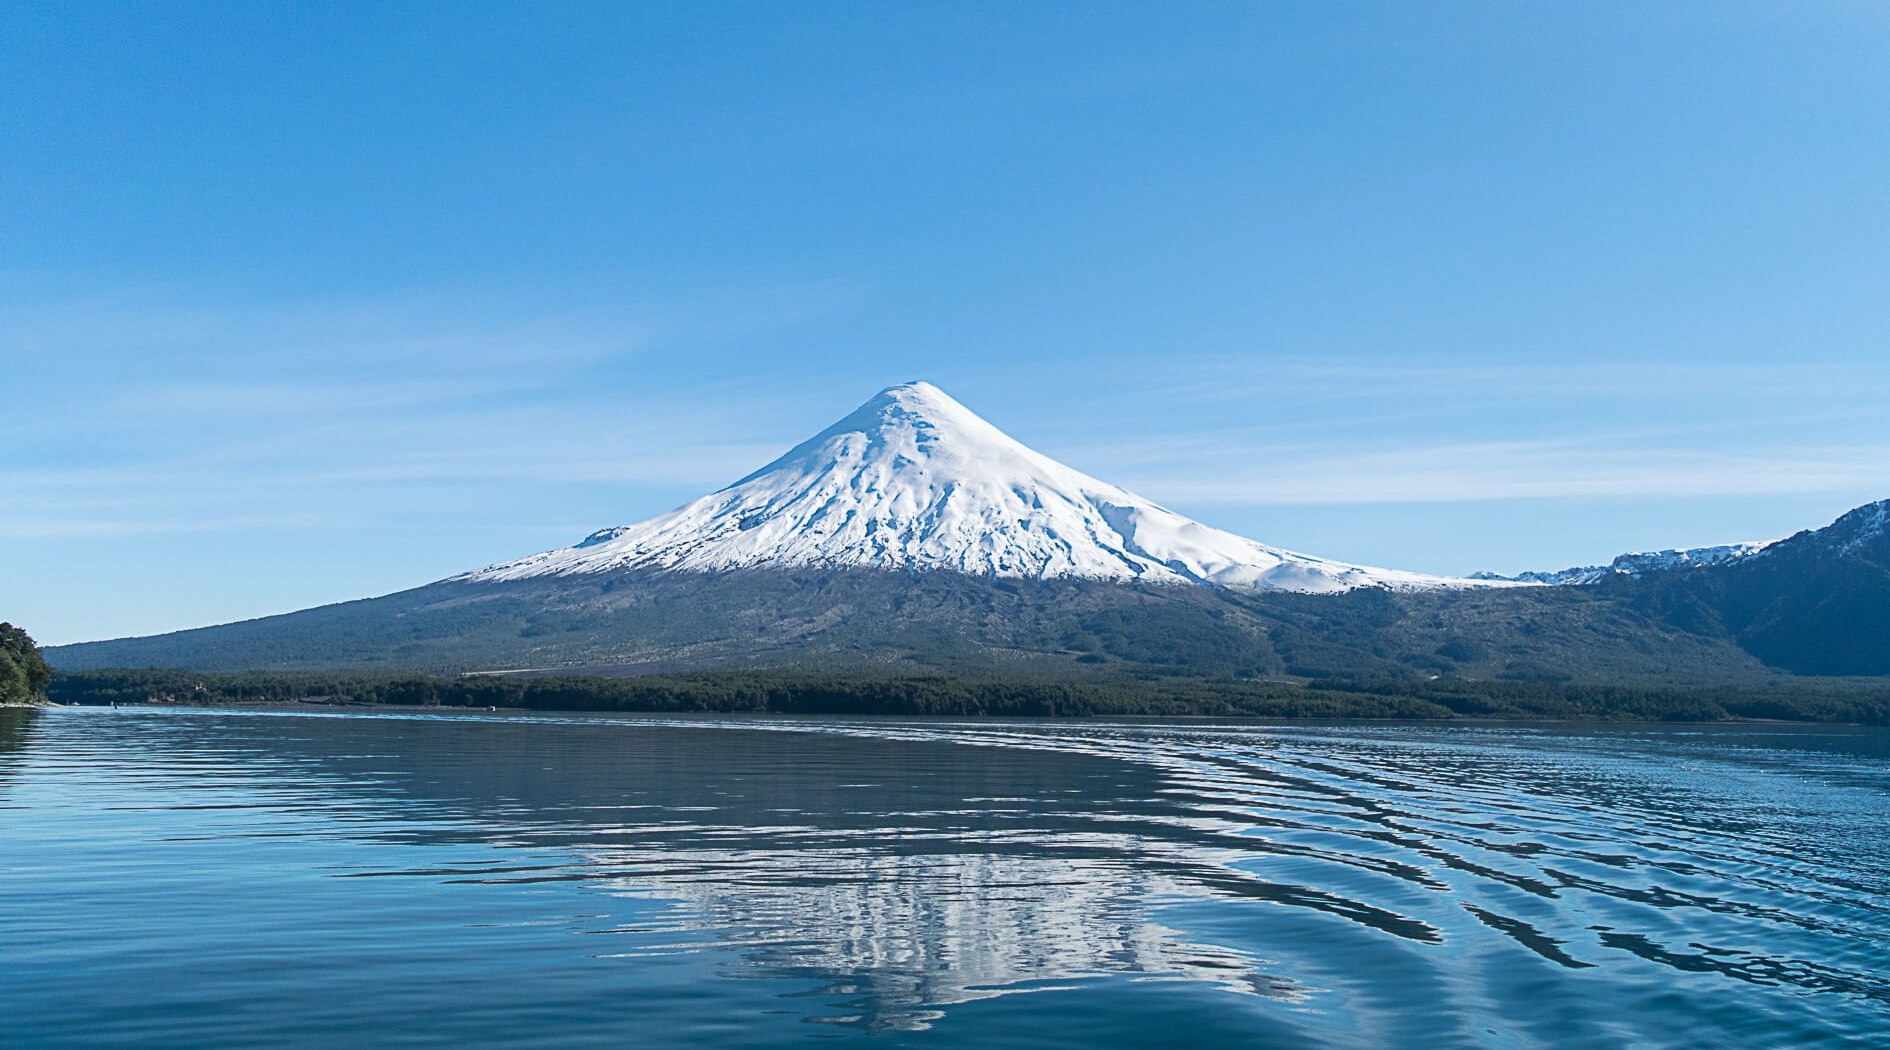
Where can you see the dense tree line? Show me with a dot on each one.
(24, 673)
(1864, 701)
(777, 692)
(1021, 696)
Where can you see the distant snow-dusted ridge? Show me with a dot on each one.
(1636, 564)
(912, 480)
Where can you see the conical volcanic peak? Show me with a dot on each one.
(912, 480)
(911, 426)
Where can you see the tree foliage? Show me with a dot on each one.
(24, 673)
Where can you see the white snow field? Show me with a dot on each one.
(912, 480)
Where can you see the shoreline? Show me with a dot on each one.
(322, 706)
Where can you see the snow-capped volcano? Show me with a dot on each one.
(913, 480)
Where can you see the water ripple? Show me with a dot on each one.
(244, 877)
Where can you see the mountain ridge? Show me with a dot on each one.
(1635, 564)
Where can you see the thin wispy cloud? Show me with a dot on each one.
(1498, 470)
(1298, 431)
(499, 423)
(123, 527)
(384, 407)
(1264, 374)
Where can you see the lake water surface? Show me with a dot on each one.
(209, 879)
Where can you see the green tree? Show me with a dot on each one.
(23, 671)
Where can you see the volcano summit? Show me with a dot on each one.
(912, 480)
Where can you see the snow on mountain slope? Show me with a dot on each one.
(913, 480)
(1857, 527)
(1636, 564)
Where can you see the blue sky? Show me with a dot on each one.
(301, 303)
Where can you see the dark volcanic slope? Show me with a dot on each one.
(856, 618)
(689, 619)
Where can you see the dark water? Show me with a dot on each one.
(220, 879)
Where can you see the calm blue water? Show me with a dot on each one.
(206, 879)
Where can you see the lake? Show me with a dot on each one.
(205, 878)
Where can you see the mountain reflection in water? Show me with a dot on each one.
(1349, 885)
(907, 875)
